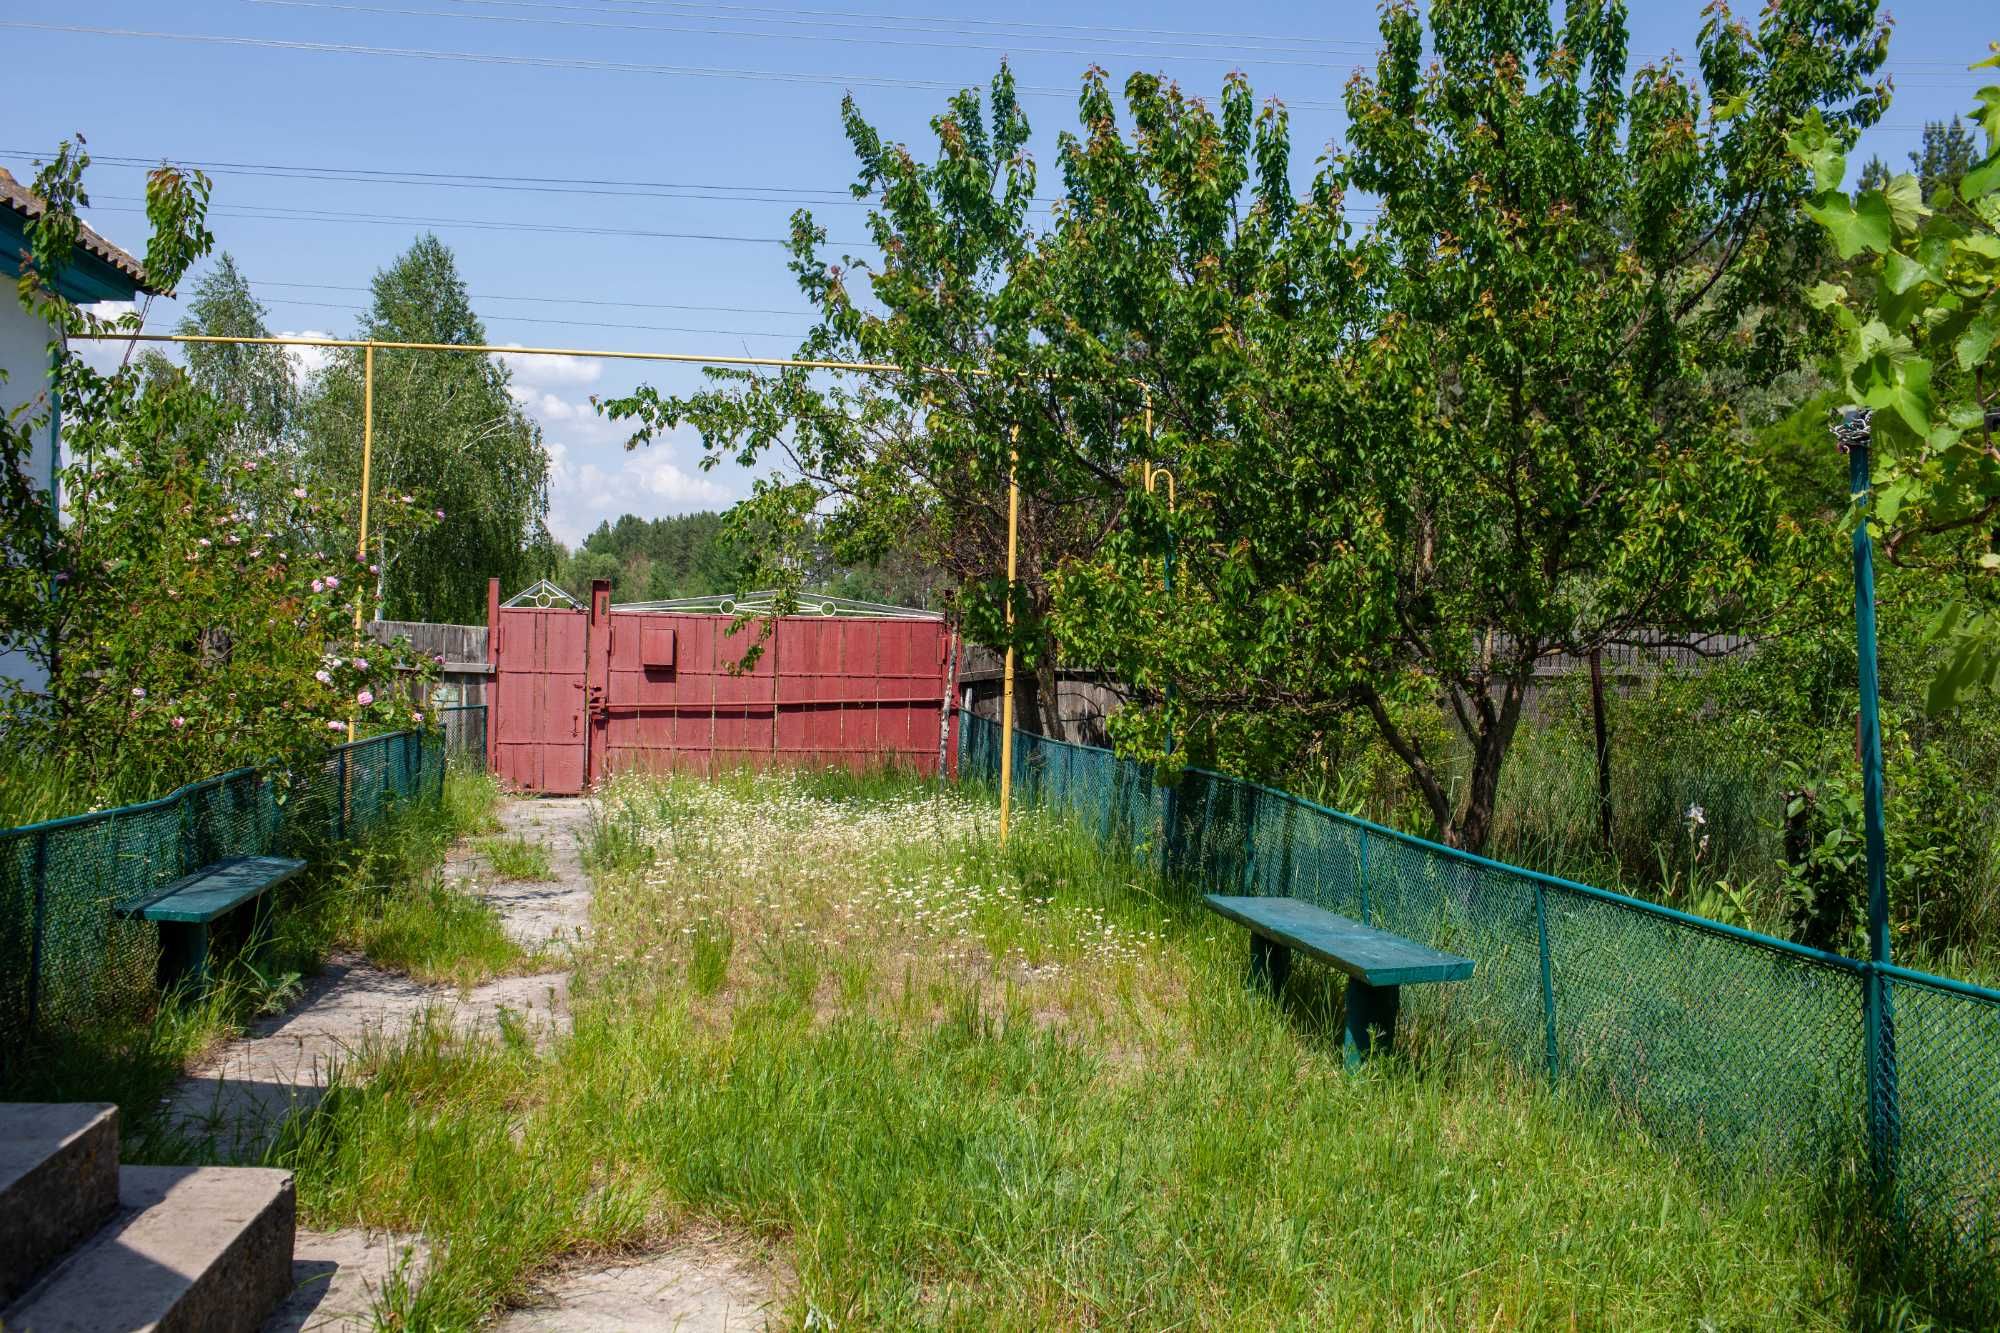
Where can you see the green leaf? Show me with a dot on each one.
(1902, 272)
(1820, 152)
(1733, 108)
(1902, 385)
(1856, 225)
(1981, 181)
(1976, 342)
(1905, 198)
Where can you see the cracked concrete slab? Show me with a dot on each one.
(233, 1104)
(337, 1276)
(692, 1289)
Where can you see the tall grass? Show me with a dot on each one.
(939, 1084)
(382, 896)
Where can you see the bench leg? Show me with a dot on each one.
(1270, 964)
(1371, 1020)
(183, 954)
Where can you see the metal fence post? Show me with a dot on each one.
(1878, 1015)
(41, 924)
(1548, 978)
(1363, 877)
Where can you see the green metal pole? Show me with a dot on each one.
(1879, 1039)
(1548, 981)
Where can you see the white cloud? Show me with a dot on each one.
(105, 357)
(558, 371)
(307, 361)
(677, 487)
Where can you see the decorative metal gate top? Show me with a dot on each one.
(542, 595)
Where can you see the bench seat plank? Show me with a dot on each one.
(1372, 957)
(200, 898)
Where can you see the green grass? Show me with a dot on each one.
(518, 857)
(938, 1085)
(382, 896)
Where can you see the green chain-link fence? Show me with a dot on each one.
(1741, 1048)
(64, 954)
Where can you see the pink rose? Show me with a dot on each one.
(332, 582)
(298, 492)
(323, 677)
(180, 722)
(364, 698)
(416, 717)
(319, 585)
(336, 726)
(138, 693)
(360, 664)
(440, 513)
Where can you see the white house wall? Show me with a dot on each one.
(24, 355)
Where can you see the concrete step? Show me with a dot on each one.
(191, 1248)
(58, 1183)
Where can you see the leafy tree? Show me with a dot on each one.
(1408, 460)
(258, 383)
(919, 460)
(186, 634)
(1496, 424)
(1947, 153)
(684, 555)
(447, 431)
(1918, 323)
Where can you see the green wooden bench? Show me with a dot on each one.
(186, 908)
(1377, 963)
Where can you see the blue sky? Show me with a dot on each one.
(692, 120)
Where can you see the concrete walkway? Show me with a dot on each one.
(234, 1104)
(236, 1101)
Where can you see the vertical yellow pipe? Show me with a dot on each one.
(367, 461)
(361, 542)
(1007, 675)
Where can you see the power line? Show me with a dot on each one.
(554, 300)
(1294, 43)
(277, 213)
(579, 64)
(574, 323)
(964, 41)
(960, 44)
(1131, 34)
(619, 189)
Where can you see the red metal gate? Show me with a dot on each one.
(583, 693)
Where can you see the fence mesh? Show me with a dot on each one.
(1741, 1049)
(66, 956)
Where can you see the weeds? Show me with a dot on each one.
(518, 857)
(381, 896)
(955, 1087)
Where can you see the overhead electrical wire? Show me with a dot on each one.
(1123, 33)
(963, 42)
(960, 44)
(278, 213)
(577, 63)
(1160, 36)
(576, 323)
(556, 300)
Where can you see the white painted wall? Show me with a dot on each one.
(24, 355)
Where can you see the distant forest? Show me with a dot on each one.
(694, 555)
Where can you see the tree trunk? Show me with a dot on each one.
(1603, 736)
(1473, 825)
